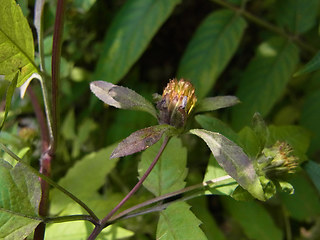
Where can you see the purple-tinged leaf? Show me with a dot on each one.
(140, 140)
(234, 161)
(121, 97)
(214, 103)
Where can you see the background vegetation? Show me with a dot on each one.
(259, 51)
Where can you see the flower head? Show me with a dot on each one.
(280, 160)
(178, 100)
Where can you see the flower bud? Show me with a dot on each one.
(278, 160)
(177, 102)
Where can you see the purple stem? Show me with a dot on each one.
(104, 221)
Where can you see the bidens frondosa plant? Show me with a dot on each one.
(173, 109)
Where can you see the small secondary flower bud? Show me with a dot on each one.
(178, 100)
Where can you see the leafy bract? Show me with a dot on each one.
(214, 170)
(261, 129)
(178, 222)
(129, 35)
(254, 219)
(19, 202)
(169, 173)
(214, 103)
(264, 80)
(121, 97)
(297, 16)
(92, 170)
(140, 140)
(211, 48)
(233, 160)
(16, 43)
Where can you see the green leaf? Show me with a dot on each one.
(215, 125)
(84, 179)
(249, 142)
(313, 170)
(254, 219)
(214, 103)
(121, 97)
(261, 129)
(233, 160)
(129, 35)
(16, 43)
(211, 48)
(304, 203)
(80, 230)
(310, 118)
(10, 92)
(312, 65)
(265, 79)
(169, 173)
(214, 170)
(140, 140)
(178, 222)
(20, 197)
(298, 16)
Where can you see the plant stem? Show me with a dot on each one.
(51, 182)
(104, 221)
(70, 218)
(267, 25)
(189, 189)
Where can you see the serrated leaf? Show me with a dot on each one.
(214, 170)
(297, 16)
(304, 203)
(129, 35)
(312, 65)
(313, 170)
(121, 97)
(169, 173)
(84, 178)
(214, 103)
(254, 219)
(80, 230)
(16, 43)
(211, 48)
(233, 160)
(264, 80)
(20, 197)
(10, 92)
(178, 222)
(310, 118)
(140, 140)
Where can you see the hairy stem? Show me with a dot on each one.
(267, 25)
(104, 221)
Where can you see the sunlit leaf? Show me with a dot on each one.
(16, 43)
(20, 197)
(169, 173)
(214, 103)
(254, 219)
(140, 140)
(178, 222)
(211, 48)
(233, 160)
(265, 79)
(91, 170)
(129, 35)
(121, 97)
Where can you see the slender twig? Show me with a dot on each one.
(199, 187)
(267, 25)
(104, 221)
(51, 182)
(69, 218)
